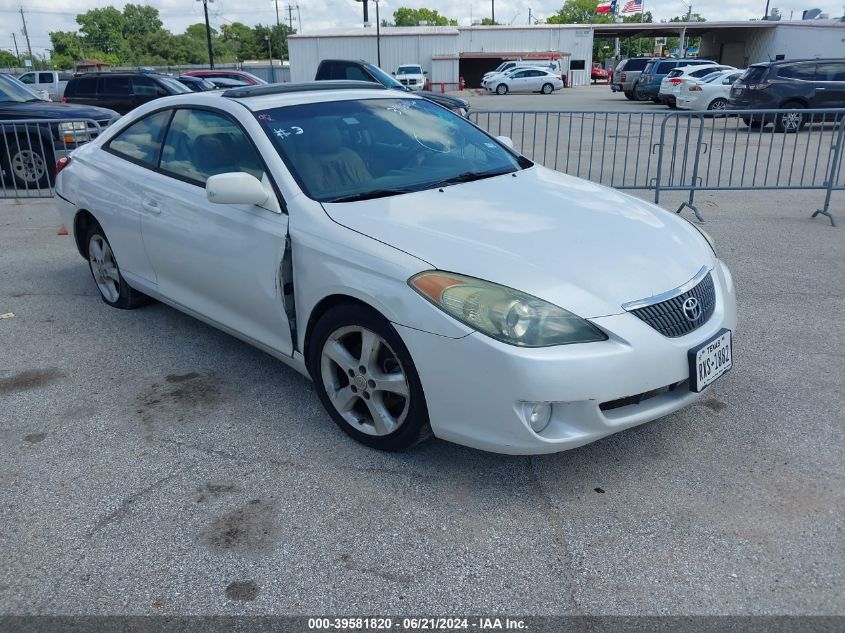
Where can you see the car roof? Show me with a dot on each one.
(279, 95)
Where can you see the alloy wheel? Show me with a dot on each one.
(718, 104)
(364, 380)
(791, 121)
(104, 268)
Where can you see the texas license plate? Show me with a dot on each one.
(710, 360)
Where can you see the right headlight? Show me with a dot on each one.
(503, 313)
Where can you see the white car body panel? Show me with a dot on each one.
(667, 88)
(710, 91)
(522, 231)
(576, 244)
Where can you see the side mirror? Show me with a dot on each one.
(394, 74)
(236, 188)
(425, 72)
(505, 140)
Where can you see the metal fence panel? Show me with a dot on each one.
(683, 151)
(29, 149)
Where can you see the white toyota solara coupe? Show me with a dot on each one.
(427, 277)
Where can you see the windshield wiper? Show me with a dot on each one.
(369, 195)
(469, 176)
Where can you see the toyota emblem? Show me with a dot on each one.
(692, 309)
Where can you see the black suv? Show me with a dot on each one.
(364, 71)
(120, 91)
(794, 84)
(29, 151)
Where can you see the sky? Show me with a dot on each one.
(43, 16)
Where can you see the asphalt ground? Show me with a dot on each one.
(150, 464)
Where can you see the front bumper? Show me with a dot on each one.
(475, 386)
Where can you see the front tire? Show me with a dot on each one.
(547, 89)
(501, 89)
(366, 379)
(629, 95)
(31, 166)
(104, 269)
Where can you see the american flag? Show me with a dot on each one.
(632, 6)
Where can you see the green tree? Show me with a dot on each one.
(140, 20)
(403, 16)
(579, 12)
(488, 22)
(103, 30)
(8, 60)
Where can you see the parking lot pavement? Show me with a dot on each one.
(151, 464)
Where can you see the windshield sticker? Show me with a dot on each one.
(265, 117)
(402, 107)
(350, 120)
(283, 133)
(490, 145)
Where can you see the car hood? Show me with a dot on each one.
(51, 110)
(445, 100)
(571, 242)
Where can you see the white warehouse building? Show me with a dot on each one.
(448, 53)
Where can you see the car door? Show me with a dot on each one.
(830, 84)
(535, 80)
(220, 261)
(116, 187)
(518, 81)
(116, 93)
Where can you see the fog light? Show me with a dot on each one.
(538, 414)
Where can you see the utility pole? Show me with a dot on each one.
(290, 17)
(26, 35)
(529, 16)
(17, 54)
(208, 33)
(493, 11)
(277, 13)
(378, 36)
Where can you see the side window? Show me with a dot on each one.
(830, 71)
(804, 72)
(702, 72)
(65, 76)
(45, 78)
(141, 141)
(731, 78)
(28, 79)
(115, 86)
(663, 68)
(85, 87)
(144, 87)
(200, 144)
(353, 72)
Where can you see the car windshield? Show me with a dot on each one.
(409, 70)
(175, 86)
(383, 78)
(340, 151)
(13, 91)
(255, 78)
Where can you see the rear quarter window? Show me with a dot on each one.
(754, 74)
(83, 87)
(636, 64)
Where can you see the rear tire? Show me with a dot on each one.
(114, 290)
(366, 379)
(639, 95)
(547, 89)
(718, 104)
(629, 95)
(791, 122)
(501, 89)
(755, 124)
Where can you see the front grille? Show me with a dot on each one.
(668, 318)
(640, 397)
(404, 82)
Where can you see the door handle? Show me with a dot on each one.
(820, 88)
(151, 206)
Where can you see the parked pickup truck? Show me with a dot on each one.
(51, 81)
(34, 134)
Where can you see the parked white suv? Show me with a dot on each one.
(672, 83)
(411, 75)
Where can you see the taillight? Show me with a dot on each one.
(64, 99)
(63, 162)
(675, 81)
(760, 86)
(623, 78)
